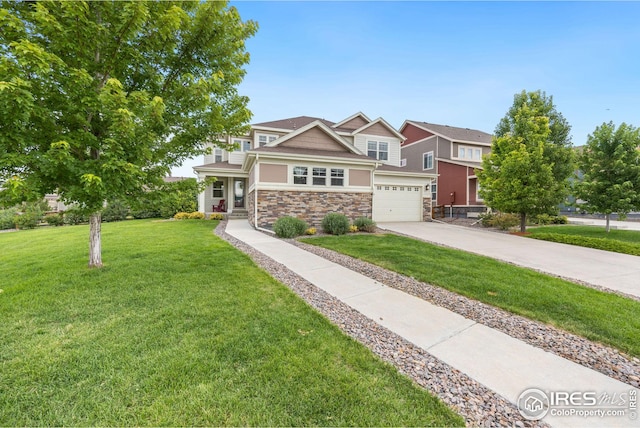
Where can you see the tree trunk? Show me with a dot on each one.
(95, 240)
(608, 227)
(523, 222)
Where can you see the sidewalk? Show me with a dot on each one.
(620, 272)
(506, 365)
(615, 224)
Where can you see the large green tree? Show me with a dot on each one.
(98, 100)
(610, 171)
(531, 159)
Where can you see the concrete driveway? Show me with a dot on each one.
(619, 272)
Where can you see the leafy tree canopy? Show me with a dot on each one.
(530, 160)
(98, 100)
(610, 168)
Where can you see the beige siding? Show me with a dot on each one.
(394, 146)
(314, 138)
(355, 123)
(379, 129)
(252, 176)
(272, 173)
(359, 177)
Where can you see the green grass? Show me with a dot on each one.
(619, 241)
(598, 316)
(179, 328)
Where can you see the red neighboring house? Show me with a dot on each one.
(453, 154)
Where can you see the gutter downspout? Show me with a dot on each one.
(255, 196)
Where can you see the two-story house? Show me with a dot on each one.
(451, 153)
(307, 167)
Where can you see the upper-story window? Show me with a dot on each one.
(378, 150)
(244, 145)
(427, 160)
(264, 139)
(217, 155)
(469, 153)
(300, 174)
(319, 176)
(337, 177)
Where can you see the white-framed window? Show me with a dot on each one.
(243, 144)
(218, 189)
(434, 191)
(378, 150)
(264, 139)
(469, 153)
(217, 155)
(478, 197)
(403, 162)
(337, 177)
(319, 176)
(300, 174)
(427, 160)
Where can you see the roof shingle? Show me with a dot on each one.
(456, 134)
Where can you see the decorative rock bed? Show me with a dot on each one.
(477, 404)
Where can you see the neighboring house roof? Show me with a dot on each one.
(453, 133)
(292, 123)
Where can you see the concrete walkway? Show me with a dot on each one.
(616, 271)
(506, 365)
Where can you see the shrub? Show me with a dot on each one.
(7, 218)
(145, 213)
(486, 218)
(544, 219)
(115, 211)
(54, 219)
(27, 220)
(353, 229)
(335, 224)
(289, 227)
(365, 224)
(196, 215)
(311, 231)
(181, 216)
(75, 216)
(503, 221)
(216, 216)
(560, 219)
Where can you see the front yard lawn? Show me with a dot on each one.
(603, 317)
(617, 240)
(178, 329)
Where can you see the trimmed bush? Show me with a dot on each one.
(7, 218)
(74, 216)
(365, 224)
(503, 221)
(54, 219)
(311, 231)
(115, 211)
(181, 216)
(196, 215)
(216, 216)
(289, 227)
(27, 220)
(335, 224)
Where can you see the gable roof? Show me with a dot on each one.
(383, 123)
(321, 126)
(291, 124)
(453, 133)
(350, 118)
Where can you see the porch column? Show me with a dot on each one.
(201, 207)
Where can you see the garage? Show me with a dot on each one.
(394, 202)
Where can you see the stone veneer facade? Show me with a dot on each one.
(309, 206)
(426, 209)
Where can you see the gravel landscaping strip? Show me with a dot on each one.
(476, 403)
(595, 356)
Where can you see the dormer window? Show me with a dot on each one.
(264, 139)
(378, 150)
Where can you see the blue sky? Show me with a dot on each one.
(452, 63)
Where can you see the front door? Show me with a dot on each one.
(238, 191)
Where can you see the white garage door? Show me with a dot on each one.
(397, 203)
